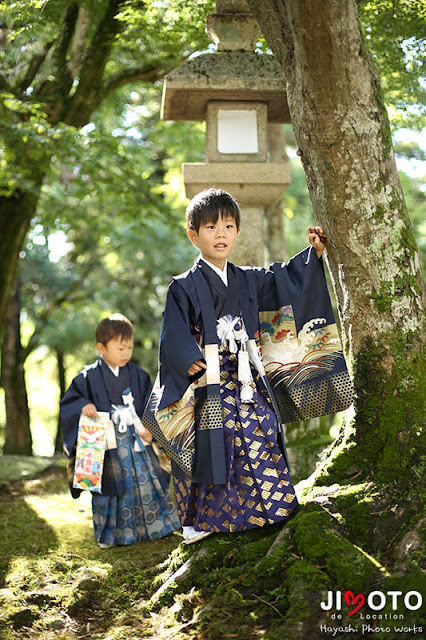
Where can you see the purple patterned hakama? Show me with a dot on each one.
(259, 490)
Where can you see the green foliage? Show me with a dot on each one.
(395, 33)
(149, 32)
(55, 52)
(409, 150)
(416, 205)
(115, 221)
(180, 25)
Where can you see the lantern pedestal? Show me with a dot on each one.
(254, 183)
(239, 93)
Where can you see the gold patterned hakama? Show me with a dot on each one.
(259, 490)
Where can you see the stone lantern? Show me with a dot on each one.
(238, 92)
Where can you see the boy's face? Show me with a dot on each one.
(215, 240)
(116, 352)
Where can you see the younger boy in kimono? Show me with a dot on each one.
(134, 503)
(213, 407)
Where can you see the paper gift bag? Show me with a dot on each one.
(91, 444)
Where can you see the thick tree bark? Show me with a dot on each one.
(341, 126)
(18, 434)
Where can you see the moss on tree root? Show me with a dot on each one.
(239, 585)
(381, 438)
(357, 529)
(264, 583)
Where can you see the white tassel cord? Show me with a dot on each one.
(122, 417)
(137, 422)
(225, 332)
(228, 334)
(244, 376)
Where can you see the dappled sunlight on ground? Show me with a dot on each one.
(70, 519)
(54, 578)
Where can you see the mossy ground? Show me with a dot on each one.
(264, 583)
(55, 582)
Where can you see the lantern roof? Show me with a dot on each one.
(237, 75)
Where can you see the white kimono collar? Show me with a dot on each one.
(223, 275)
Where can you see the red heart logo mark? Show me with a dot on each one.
(351, 599)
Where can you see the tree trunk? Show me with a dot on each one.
(275, 240)
(18, 434)
(341, 126)
(16, 212)
(62, 389)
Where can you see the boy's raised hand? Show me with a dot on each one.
(195, 367)
(89, 410)
(317, 239)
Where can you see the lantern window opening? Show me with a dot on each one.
(237, 131)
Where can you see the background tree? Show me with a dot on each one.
(97, 246)
(18, 435)
(60, 61)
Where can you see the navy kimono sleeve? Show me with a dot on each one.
(76, 397)
(178, 348)
(142, 390)
(301, 348)
(300, 281)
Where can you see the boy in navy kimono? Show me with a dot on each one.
(241, 349)
(134, 504)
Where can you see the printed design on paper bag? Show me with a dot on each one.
(90, 454)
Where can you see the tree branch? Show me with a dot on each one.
(79, 42)
(77, 109)
(4, 85)
(59, 57)
(33, 67)
(56, 303)
(272, 19)
(55, 90)
(148, 73)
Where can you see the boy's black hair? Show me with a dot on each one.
(208, 205)
(115, 326)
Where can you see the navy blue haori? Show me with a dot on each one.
(273, 355)
(134, 504)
